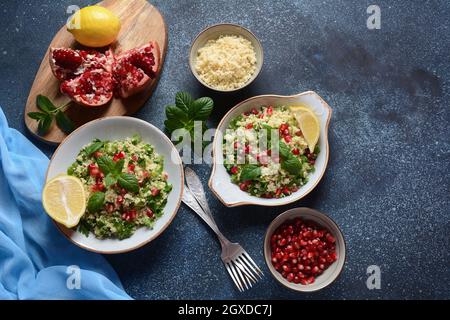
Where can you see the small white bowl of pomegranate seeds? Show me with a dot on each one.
(304, 249)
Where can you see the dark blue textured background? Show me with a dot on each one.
(387, 182)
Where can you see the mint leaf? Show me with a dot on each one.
(183, 101)
(118, 167)
(44, 124)
(106, 164)
(185, 113)
(45, 104)
(250, 172)
(37, 115)
(292, 165)
(64, 123)
(110, 179)
(96, 202)
(173, 124)
(285, 151)
(129, 182)
(173, 112)
(94, 147)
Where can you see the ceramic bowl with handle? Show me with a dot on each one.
(220, 182)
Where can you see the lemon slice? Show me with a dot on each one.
(299, 109)
(64, 199)
(94, 26)
(308, 123)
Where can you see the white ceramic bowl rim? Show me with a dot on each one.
(230, 194)
(153, 233)
(218, 25)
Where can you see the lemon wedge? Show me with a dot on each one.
(94, 26)
(64, 199)
(308, 123)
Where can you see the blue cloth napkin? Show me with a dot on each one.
(36, 260)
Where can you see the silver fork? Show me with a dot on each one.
(241, 267)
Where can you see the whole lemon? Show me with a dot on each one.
(94, 26)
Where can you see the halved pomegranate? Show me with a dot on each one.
(93, 88)
(90, 78)
(68, 63)
(134, 70)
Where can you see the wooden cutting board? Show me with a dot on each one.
(141, 23)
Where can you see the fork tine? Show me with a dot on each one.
(243, 277)
(234, 276)
(245, 269)
(247, 263)
(252, 264)
(239, 276)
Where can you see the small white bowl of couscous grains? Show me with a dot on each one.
(271, 150)
(226, 57)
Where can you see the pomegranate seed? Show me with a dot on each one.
(119, 156)
(249, 126)
(119, 200)
(278, 192)
(243, 186)
(155, 192)
(283, 127)
(109, 207)
(97, 154)
(254, 111)
(246, 113)
(269, 110)
(149, 213)
(296, 151)
(290, 277)
(131, 167)
(299, 133)
(236, 145)
(287, 138)
(286, 268)
(234, 170)
(330, 238)
(134, 158)
(247, 149)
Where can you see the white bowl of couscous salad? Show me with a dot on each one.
(271, 150)
(133, 181)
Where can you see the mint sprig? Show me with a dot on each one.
(113, 171)
(48, 113)
(186, 112)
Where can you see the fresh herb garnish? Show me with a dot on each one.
(186, 112)
(96, 201)
(50, 112)
(97, 145)
(289, 161)
(129, 182)
(113, 171)
(250, 172)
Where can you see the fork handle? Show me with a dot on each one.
(189, 200)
